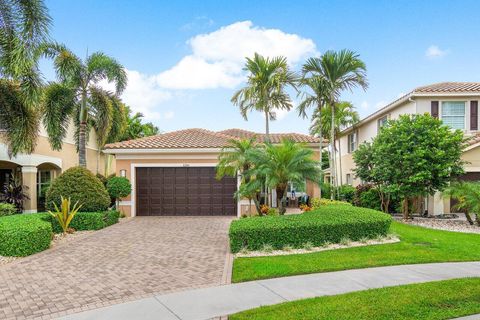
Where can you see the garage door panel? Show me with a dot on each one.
(184, 191)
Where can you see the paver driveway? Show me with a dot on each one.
(123, 262)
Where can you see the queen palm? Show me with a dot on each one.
(79, 95)
(265, 89)
(313, 99)
(345, 116)
(23, 31)
(342, 70)
(288, 162)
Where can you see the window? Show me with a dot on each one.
(44, 177)
(297, 187)
(352, 142)
(453, 114)
(349, 178)
(382, 122)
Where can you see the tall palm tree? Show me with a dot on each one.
(136, 129)
(265, 89)
(285, 163)
(78, 94)
(236, 159)
(341, 70)
(345, 116)
(24, 29)
(316, 99)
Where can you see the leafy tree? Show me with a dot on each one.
(24, 29)
(284, 163)
(265, 89)
(339, 71)
(118, 187)
(413, 156)
(236, 158)
(468, 196)
(78, 94)
(135, 128)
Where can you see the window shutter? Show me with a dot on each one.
(473, 115)
(434, 109)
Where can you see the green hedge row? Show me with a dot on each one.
(23, 235)
(325, 224)
(87, 220)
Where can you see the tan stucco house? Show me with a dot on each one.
(36, 170)
(174, 173)
(455, 103)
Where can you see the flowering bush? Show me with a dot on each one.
(305, 207)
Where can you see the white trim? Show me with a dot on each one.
(30, 211)
(472, 169)
(28, 169)
(124, 203)
(30, 160)
(133, 166)
(473, 146)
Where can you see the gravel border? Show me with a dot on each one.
(444, 224)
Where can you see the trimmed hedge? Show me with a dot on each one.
(23, 235)
(78, 184)
(86, 220)
(325, 224)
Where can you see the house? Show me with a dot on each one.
(174, 173)
(455, 103)
(35, 171)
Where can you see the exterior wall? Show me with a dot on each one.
(437, 204)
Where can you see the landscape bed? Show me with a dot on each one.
(25, 234)
(327, 224)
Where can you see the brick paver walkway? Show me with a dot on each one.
(123, 262)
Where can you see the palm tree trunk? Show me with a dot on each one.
(82, 157)
(267, 139)
(332, 146)
(340, 161)
(321, 145)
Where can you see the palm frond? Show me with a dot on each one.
(102, 67)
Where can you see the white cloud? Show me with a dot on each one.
(199, 22)
(435, 52)
(218, 57)
(169, 115)
(364, 105)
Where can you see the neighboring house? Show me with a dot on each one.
(455, 103)
(35, 171)
(174, 173)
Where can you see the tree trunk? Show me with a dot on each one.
(82, 157)
(332, 146)
(267, 139)
(321, 149)
(469, 218)
(340, 162)
(281, 193)
(406, 215)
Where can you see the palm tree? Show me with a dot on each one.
(23, 31)
(342, 70)
(468, 196)
(265, 89)
(78, 94)
(345, 116)
(285, 163)
(236, 159)
(316, 99)
(136, 129)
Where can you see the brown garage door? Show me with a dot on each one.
(190, 191)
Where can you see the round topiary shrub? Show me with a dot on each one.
(119, 187)
(78, 184)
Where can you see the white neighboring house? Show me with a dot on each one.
(455, 103)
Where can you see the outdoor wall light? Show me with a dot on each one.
(123, 173)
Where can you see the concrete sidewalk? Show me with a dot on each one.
(207, 303)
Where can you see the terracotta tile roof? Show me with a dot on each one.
(274, 137)
(202, 138)
(188, 138)
(449, 87)
(474, 139)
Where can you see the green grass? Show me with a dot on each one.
(417, 245)
(428, 301)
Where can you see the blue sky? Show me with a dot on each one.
(184, 58)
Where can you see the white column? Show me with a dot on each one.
(29, 180)
(438, 203)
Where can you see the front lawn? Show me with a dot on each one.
(429, 301)
(417, 245)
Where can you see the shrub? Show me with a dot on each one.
(326, 189)
(64, 215)
(78, 184)
(87, 220)
(325, 224)
(118, 187)
(24, 234)
(7, 209)
(346, 193)
(320, 202)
